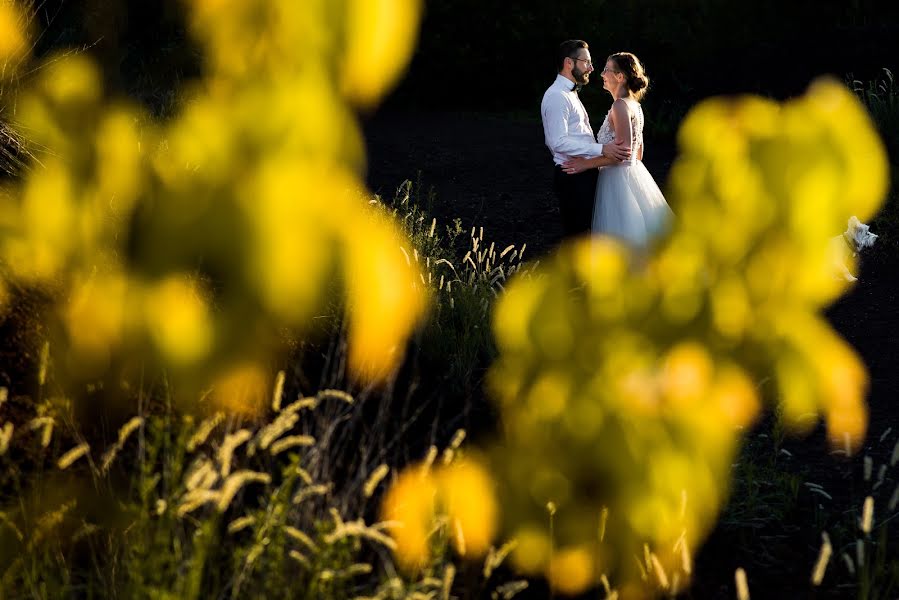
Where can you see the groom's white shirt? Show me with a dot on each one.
(566, 126)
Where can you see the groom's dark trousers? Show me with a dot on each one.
(575, 194)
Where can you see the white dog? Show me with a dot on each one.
(845, 247)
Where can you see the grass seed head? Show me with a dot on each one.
(66, 460)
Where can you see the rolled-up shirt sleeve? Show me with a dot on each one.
(556, 115)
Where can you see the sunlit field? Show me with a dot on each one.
(235, 372)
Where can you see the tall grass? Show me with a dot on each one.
(172, 505)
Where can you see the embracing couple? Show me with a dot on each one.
(601, 183)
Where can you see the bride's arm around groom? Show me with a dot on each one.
(567, 132)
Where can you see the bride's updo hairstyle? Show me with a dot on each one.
(632, 69)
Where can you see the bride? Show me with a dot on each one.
(628, 203)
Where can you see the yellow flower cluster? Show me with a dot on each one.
(13, 38)
(426, 504)
(623, 380)
(194, 241)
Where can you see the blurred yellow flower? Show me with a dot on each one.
(532, 550)
(178, 320)
(467, 493)
(410, 503)
(381, 35)
(242, 389)
(252, 187)
(95, 320)
(624, 383)
(571, 570)
(456, 501)
(386, 301)
(13, 38)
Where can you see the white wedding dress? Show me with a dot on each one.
(628, 204)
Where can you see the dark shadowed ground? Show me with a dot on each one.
(494, 171)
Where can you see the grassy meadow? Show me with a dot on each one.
(233, 372)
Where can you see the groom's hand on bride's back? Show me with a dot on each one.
(616, 151)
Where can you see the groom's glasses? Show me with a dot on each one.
(589, 63)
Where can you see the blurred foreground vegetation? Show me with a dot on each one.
(249, 378)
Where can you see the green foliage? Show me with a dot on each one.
(465, 274)
(157, 534)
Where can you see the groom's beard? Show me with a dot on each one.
(580, 77)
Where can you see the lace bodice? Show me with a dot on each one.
(606, 135)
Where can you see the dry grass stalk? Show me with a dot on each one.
(310, 491)
(291, 441)
(337, 395)
(278, 391)
(459, 536)
(235, 482)
(603, 520)
(496, 557)
(449, 575)
(429, 460)
(374, 479)
(240, 524)
(823, 558)
(301, 537)
(281, 425)
(894, 499)
(127, 429)
(881, 474)
(203, 431)
(304, 475)
(194, 499)
(46, 425)
(202, 476)
(457, 440)
(742, 585)
(357, 569)
(297, 556)
(229, 445)
(850, 566)
(125, 432)
(867, 515)
(5, 437)
(44, 364)
(509, 590)
(686, 557)
(12, 526)
(659, 570)
(66, 460)
(448, 455)
(359, 529)
(50, 521)
(297, 405)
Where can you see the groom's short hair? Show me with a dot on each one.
(567, 49)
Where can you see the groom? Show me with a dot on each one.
(567, 131)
